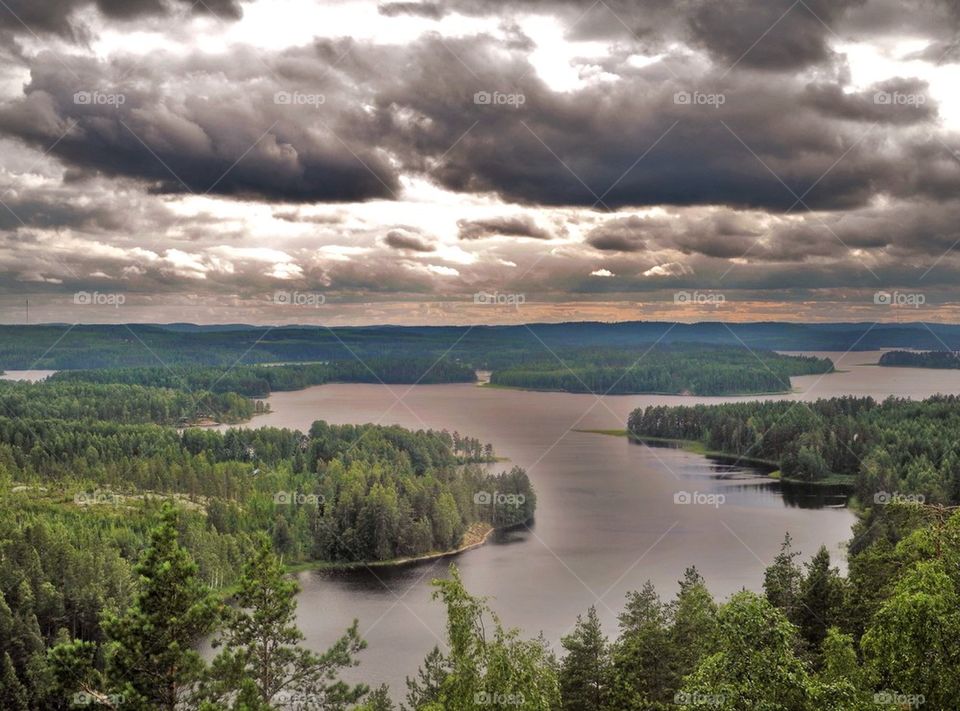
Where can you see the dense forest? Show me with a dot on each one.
(661, 369)
(885, 636)
(921, 359)
(83, 401)
(897, 445)
(261, 380)
(87, 468)
(668, 369)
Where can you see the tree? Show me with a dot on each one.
(755, 666)
(378, 700)
(151, 657)
(693, 633)
(841, 684)
(781, 581)
(819, 600)
(426, 687)
(263, 657)
(642, 656)
(913, 643)
(585, 670)
(13, 695)
(488, 665)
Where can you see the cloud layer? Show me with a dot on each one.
(569, 150)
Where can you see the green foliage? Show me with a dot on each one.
(487, 666)
(263, 656)
(151, 659)
(913, 644)
(699, 370)
(585, 673)
(755, 666)
(898, 446)
(925, 359)
(261, 380)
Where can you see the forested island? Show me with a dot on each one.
(674, 370)
(921, 359)
(261, 380)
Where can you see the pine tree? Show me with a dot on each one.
(585, 671)
(378, 700)
(151, 657)
(642, 656)
(425, 688)
(819, 600)
(262, 654)
(13, 695)
(781, 581)
(693, 633)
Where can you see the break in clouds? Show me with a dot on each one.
(402, 156)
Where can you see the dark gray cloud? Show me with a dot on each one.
(767, 34)
(507, 226)
(269, 142)
(626, 234)
(58, 17)
(402, 239)
(432, 10)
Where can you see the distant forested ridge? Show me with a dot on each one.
(924, 359)
(483, 347)
(687, 369)
(897, 445)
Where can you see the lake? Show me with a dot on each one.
(607, 518)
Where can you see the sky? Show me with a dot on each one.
(479, 161)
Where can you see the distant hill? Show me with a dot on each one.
(115, 345)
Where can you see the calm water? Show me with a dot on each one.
(31, 375)
(606, 519)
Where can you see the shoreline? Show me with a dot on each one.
(322, 565)
(686, 393)
(695, 447)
